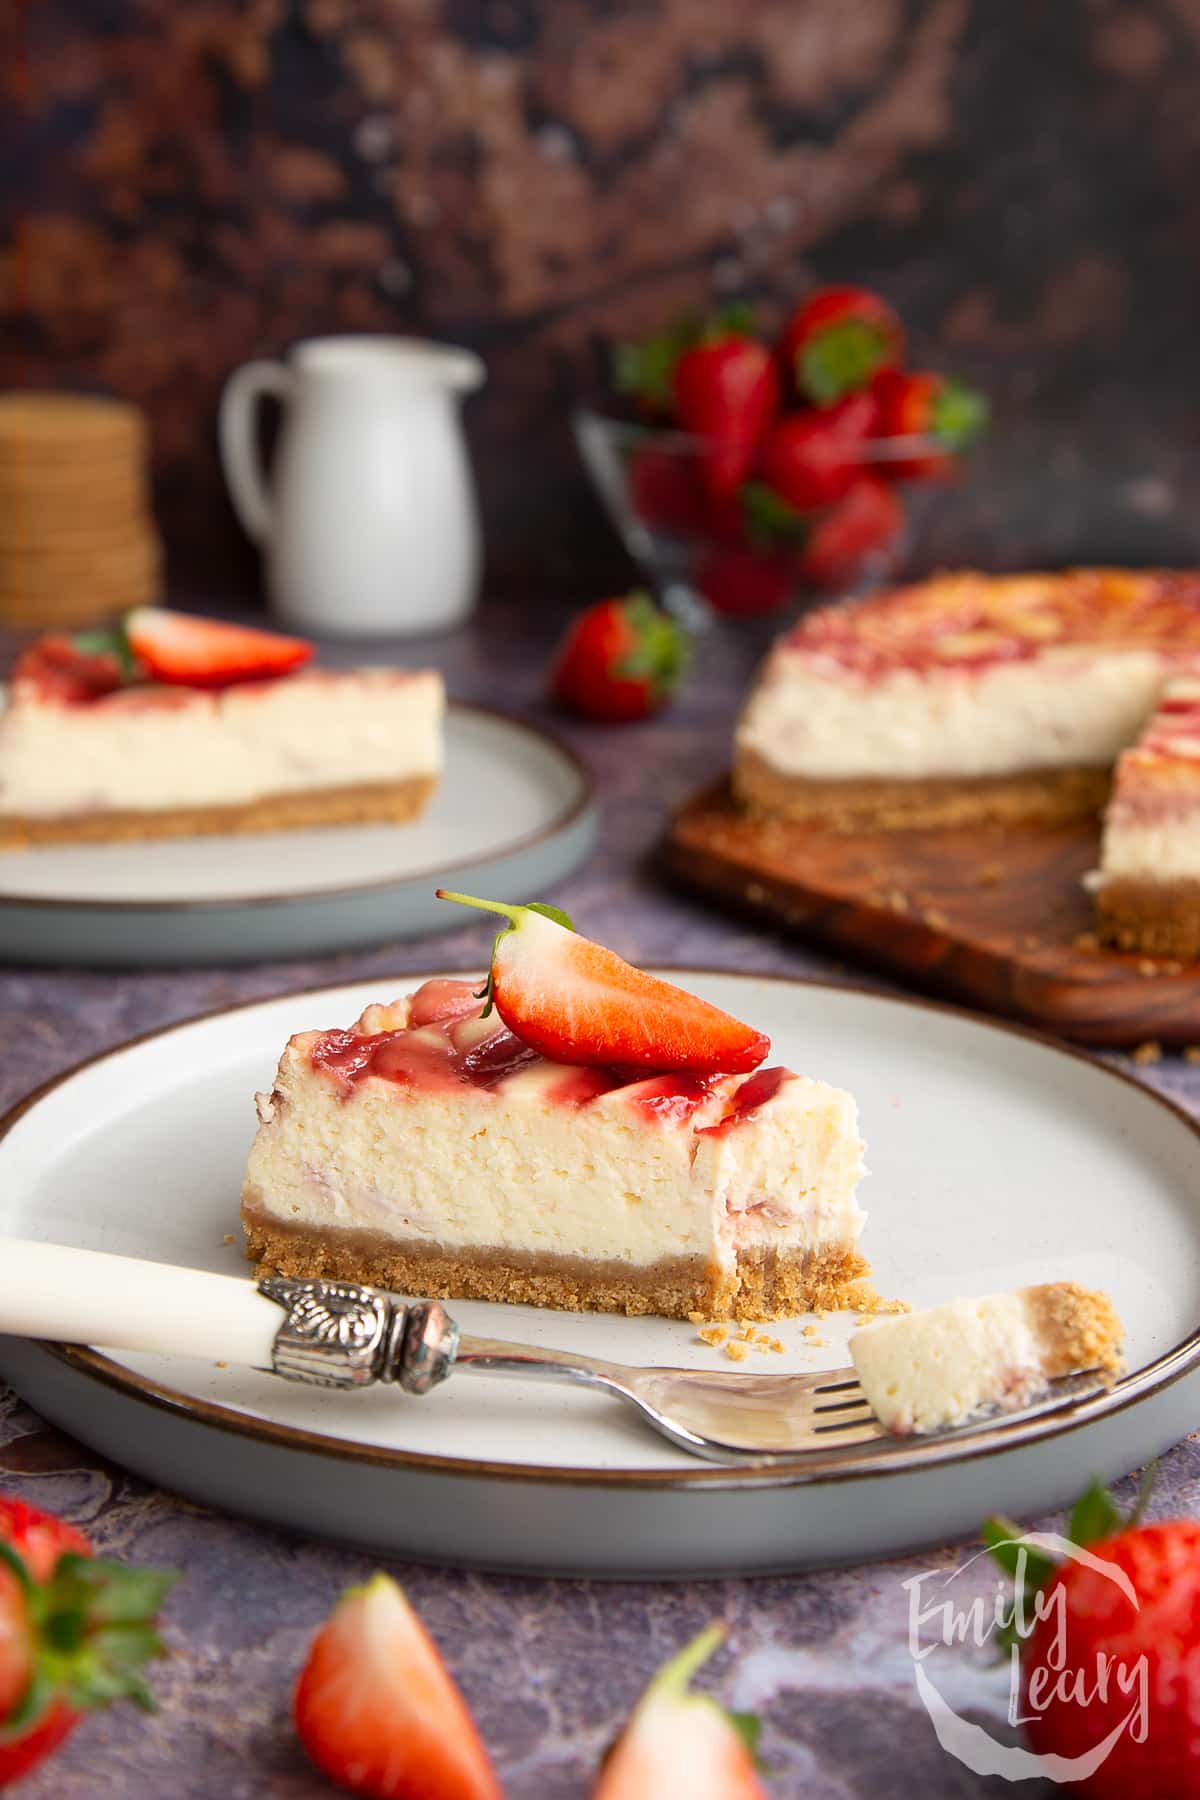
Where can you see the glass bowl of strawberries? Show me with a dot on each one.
(755, 474)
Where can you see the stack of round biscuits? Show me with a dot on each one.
(77, 542)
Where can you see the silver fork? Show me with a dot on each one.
(341, 1334)
(731, 1418)
(726, 1418)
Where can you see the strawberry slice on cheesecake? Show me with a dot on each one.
(571, 1133)
(176, 726)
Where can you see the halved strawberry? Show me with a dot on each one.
(176, 647)
(577, 1002)
(377, 1710)
(682, 1743)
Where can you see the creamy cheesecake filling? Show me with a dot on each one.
(812, 718)
(935, 1370)
(1152, 827)
(450, 1141)
(155, 748)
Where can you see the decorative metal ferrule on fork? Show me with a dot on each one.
(338, 1334)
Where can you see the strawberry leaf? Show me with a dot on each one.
(15, 1563)
(1003, 1538)
(839, 359)
(1029, 1568)
(550, 912)
(659, 652)
(748, 1727)
(1095, 1515)
(769, 519)
(960, 415)
(1145, 1489)
(647, 369)
(91, 1630)
(113, 642)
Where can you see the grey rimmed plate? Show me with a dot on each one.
(997, 1159)
(514, 811)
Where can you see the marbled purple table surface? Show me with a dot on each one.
(550, 1668)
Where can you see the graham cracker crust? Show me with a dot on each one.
(358, 803)
(1161, 918)
(1050, 795)
(766, 1284)
(1080, 1328)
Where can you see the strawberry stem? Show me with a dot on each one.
(491, 906)
(676, 1675)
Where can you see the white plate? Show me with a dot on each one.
(514, 810)
(996, 1159)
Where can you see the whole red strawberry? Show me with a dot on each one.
(862, 527)
(74, 1632)
(931, 406)
(837, 340)
(742, 582)
(812, 458)
(620, 660)
(726, 391)
(665, 489)
(1114, 1650)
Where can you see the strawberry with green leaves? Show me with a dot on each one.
(680, 1743)
(714, 381)
(620, 661)
(152, 643)
(948, 412)
(377, 1710)
(75, 1633)
(1115, 1637)
(577, 1002)
(837, 341)
(727, 392)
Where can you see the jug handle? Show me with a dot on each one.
(236, 429)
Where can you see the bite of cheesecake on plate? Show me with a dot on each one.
(176, 726)
(944, 1367)
(972, 698)
(570, 1133)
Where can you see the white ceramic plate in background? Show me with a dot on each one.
(514, 811)
(996, 1159)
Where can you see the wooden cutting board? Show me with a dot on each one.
(995, 916)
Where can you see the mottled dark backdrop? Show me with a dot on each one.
(186, 186)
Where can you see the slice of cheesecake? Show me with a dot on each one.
(934, 1370)
(188, 727)
(434, 1151)
(1147, 889)
(963, 698)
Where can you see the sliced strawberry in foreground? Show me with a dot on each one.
(682, 1743)
(577, 1002)
(377, 1710)
(190, 652)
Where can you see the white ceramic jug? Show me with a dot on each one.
(369, 522)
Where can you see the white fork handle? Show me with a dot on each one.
(89, 1297)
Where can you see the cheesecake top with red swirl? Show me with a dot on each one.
(972, 622)
(966, 677)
